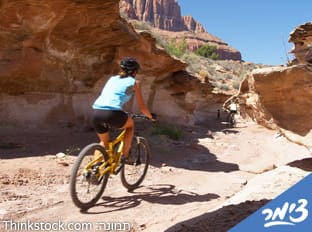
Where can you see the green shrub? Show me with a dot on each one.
(177, 49)
(170, 130)
(208, 51)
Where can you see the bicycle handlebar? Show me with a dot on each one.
(142, 116)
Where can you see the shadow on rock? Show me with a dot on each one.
(220, 220)
(304, 164)
(157, 194)
(35, 142)
(193, 157)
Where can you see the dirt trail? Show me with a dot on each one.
(186, 179)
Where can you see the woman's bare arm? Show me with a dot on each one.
(139, 97)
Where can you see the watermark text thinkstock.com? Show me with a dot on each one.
(10, 225)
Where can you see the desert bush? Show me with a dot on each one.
(141, 26)
(228, 76)
(208, 51)
(171, 131)
(194, 68)
(236, 84)
(203, 76)
(216, 77)
(176, 48)
(203, 73)
(190, 58)
(224, 87)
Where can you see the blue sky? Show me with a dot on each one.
(259, 29)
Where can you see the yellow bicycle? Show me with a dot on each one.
(94, 165)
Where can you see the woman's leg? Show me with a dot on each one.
(101, 128)
(104, 139)
(129, 126)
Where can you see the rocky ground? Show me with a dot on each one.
(208, 181)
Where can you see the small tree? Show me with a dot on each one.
(177, 48)
(208, 51)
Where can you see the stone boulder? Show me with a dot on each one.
(280, 97)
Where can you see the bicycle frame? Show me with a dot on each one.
(90, 182)
(114, 156)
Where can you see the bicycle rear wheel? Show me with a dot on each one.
(86, 188)
(232, 120)
(135, 168)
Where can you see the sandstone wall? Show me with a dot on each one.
(55, 56)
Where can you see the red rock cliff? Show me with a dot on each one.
(165, 16)
(162, 14)
(55, 57)
(64, 45)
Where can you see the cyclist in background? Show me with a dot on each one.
(233, 107)
(108, 107)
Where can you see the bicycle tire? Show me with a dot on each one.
(234, 121)
(231, 120)
(76, 173)
(138, 162)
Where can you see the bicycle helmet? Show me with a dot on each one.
(129, 64)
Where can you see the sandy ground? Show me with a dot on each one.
(188, 186)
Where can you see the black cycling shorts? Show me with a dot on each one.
(103, 119)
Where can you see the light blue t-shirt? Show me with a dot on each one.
(116, 92)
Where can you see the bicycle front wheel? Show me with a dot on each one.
(135, 167)
(86, 186)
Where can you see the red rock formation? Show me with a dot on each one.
(301, 36)
(165, 15)
(195, 40)
(192, 25)
(162, 14)
(280, 97)
(55, 57)
(62, 45)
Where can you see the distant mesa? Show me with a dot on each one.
(165, 16)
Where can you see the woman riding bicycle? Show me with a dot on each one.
(108, 107)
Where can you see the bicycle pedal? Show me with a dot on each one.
(118, 169)
(120, 166)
